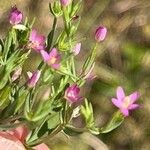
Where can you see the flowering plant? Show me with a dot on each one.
(44, 117)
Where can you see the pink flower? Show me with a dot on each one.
(20, 133)
(52, 59)
(76, 49)
(64, 2)
(8, 141)
(37, 42)
(100, 33)
(125, 103)
(15, 16)
(15, 138)
(33, 78)
(72, 93)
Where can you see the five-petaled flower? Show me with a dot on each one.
(15, 16)
(100, 33)
(52, 59)
(33, 78)
(72, 94)
(125, 103)
(37, 42)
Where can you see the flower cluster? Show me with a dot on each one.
(46, 100)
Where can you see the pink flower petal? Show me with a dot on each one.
(134, 96)
(41, 147)
(40, 39)
(120, 93)
(53, 53)
(133, 106)
(33, 35)
(45, 55)
(39, 48)
(125, 111)
(20, 133)
(10, 142)
(55, 66)
(116, 102)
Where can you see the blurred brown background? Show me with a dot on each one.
(123, 59)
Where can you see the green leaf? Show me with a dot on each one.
(20, 101)
(75, 9)
(74, 27)
(4, 79)
(87, 112)
(4, 97)
(116, 121)
(51, 34)
(90, 60)
(43, 109)
(7, 45)
(55, 9)
(53, 120)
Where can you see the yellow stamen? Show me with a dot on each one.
(126, 102)
(52, 61)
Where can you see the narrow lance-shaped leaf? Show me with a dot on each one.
(7, 45)
(51, 34)
(116, 121)
(75, 9)
(90, 60)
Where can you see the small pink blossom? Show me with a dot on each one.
(64, 2)
(125, 103)
(52, 59)
(100, 33)
(33, 78)
(76, 49)
(37, 42)
(15, 16)
(72, 93)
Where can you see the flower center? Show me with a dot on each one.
(71, 94)
(52, 61)
(33, 44)
(126, 102)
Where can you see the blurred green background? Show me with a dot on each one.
(123, 59)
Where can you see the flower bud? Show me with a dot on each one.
(72, 93)
(15, 16)
(76, 49)
(100, 33)
(16, 74)
(33, 78)
(64, 2)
